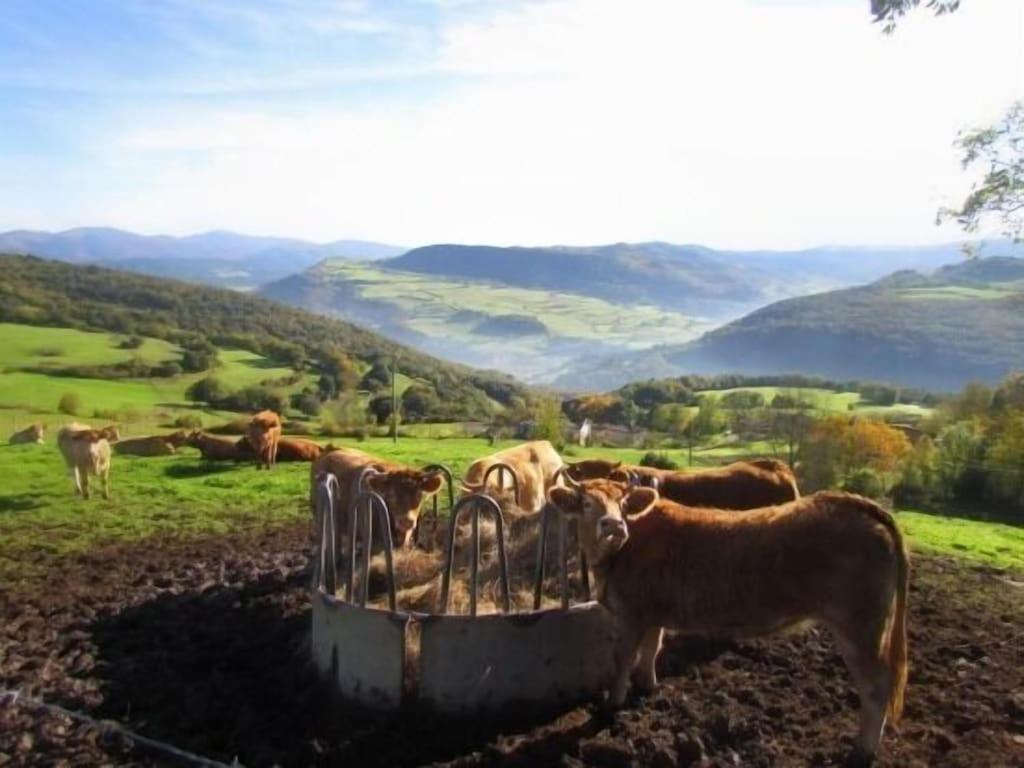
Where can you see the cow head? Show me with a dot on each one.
(110, 433)
(177, 439)
(193, 438)
(592, 469)
(603, 508)
(403, 491)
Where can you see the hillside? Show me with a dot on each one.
(50, 293)
(524, 331)
(937, 331)
(692, 279)
(219, 258)
(540, 313)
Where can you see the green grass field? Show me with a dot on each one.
(959, 292)
(827, 400)
(434, 303)
(24, 346)
(29, 397)
(41, 519)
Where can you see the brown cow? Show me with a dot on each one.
(402, 488)
(217, 448)
(31, 434)
(86, 451)
(741, 485)
(264, 433)
(832, 559)
(157, 445)
(298, 449)
(536, 465)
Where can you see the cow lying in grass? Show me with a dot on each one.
(156, 445)
(219, 448)
(30, 434)
(402, 488)
(297, 449)
(832, 559)
(741, 485)
(86, 451)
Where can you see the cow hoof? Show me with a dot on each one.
(858, 758)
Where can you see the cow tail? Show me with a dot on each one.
(898, 631)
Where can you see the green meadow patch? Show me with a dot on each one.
(41, 519)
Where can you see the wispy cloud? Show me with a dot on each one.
(733, 122)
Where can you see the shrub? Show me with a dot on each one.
(234, 427)
(189, 421)
(70, 403)
(48, 352)
(866, 482)
(132, 342)
(165, 370)
(658, 461)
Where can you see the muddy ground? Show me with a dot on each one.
(202, 644)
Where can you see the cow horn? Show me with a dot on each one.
(567, 478)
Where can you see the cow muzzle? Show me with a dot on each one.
(612, 530)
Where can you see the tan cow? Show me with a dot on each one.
(832, 559)
(536, 465)
(298, 449)
(31, 434)
(157, 445)
(218, 448)
(263, 434)
(86, 451)
(741, 485)
(402, 488)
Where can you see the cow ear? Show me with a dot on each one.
(377, 481)
(619, 476)
(566, 499)
(639, 501)
(616, 465)
(432, 483)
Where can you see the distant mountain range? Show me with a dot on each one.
(215, 258)
(963, 322)
(596, 317)
(691, 279)
(545, 313)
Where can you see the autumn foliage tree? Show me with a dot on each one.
(838, 450)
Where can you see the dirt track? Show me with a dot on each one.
(202, 644)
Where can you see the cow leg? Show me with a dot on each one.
(84, 475)
(625, 659)
(76, 477)
(644, 676)
(871, 674)
(106, 485)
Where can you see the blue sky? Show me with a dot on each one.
(743, 123)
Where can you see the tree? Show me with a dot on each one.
(549, 424)
(960, 448)
(70, 403)
(207, 390)
(1006, 458)
(888, 12)
(420, 403)
(998, 151)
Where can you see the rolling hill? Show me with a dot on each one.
(40, 292)
(216, 258)
(541, 312)
(523, 331)
(962, 322)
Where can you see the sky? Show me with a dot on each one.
(731, 123)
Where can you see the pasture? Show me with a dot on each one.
(179, 609)
(139, 404)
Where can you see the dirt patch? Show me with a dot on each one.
(202, 644)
